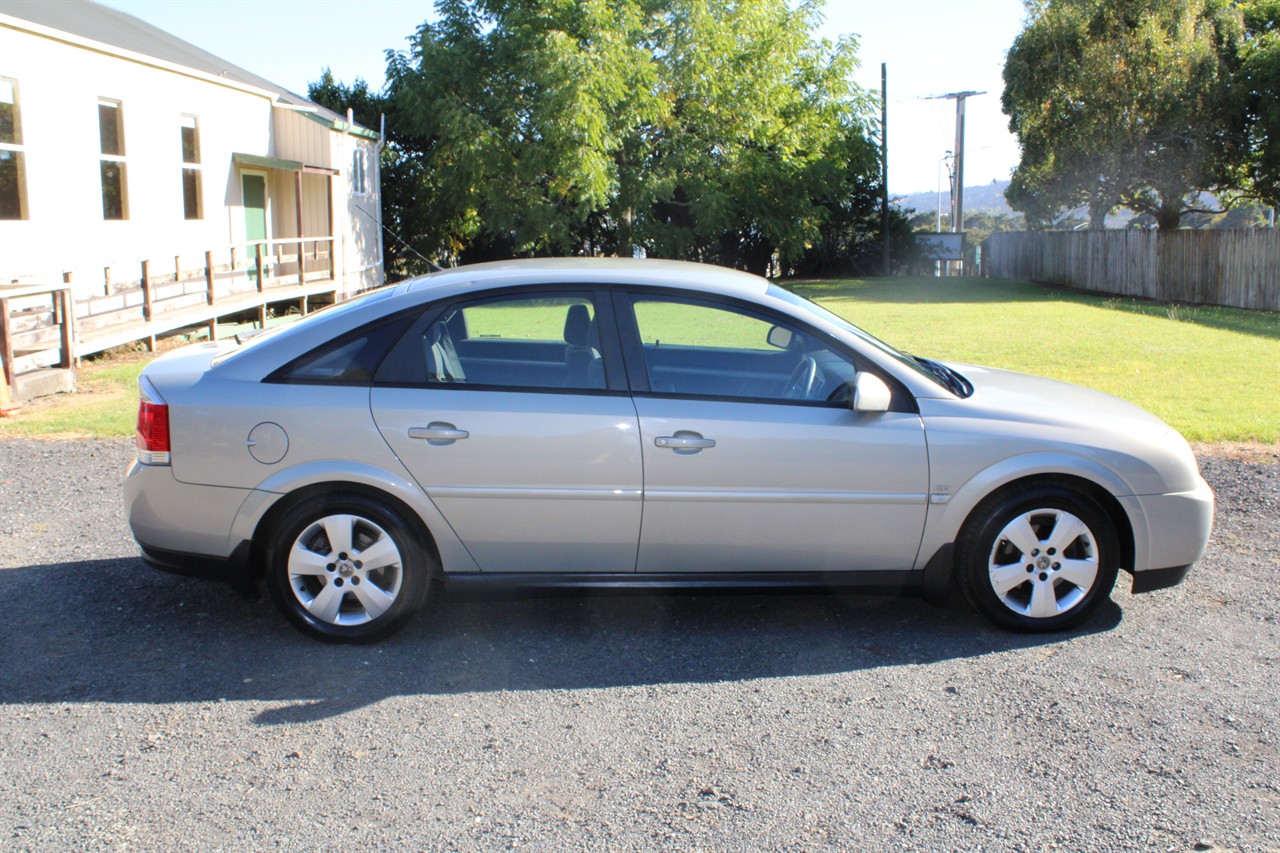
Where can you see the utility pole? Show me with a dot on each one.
(957, 196)
(938, 210)
(884, 162)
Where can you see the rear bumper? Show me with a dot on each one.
(233, 569)
(1153, 579)
(185, 529)
(166, 515)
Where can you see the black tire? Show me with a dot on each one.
(326, 590)
(1040, 584)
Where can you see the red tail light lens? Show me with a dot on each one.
(153, 433)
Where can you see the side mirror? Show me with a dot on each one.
(870, 394)
(779, 337)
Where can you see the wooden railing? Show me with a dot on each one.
(35, 329)
(254, 276)
(45, 324)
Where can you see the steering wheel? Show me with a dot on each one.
(802, 380)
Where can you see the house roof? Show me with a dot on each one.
(95, 22)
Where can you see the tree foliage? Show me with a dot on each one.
(1122, 103)
(717, 131)
(1257, 99)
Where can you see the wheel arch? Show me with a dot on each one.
(1119, 519)
(270, 519)
(286, 489)
(947, 521)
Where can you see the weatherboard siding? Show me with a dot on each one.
(59, 83)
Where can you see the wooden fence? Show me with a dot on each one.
(1235, 267)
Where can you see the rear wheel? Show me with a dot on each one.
(347, 568)
(1041, 558)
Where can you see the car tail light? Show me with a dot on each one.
(153, 433)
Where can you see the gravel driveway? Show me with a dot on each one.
(140, 710)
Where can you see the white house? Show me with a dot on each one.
(120, 143)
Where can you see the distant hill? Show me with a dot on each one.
(989, 199)
(984, 198)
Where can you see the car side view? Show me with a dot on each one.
(604, 424)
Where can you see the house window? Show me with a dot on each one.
(13, 178)
(359, 167)
(192, 206)
(115, 198)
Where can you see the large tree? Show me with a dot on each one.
(1121, 103)
(712, 131)
(1257, 98)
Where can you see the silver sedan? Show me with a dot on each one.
(604, 424)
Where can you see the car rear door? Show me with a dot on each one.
(748, 465)
(515, 420)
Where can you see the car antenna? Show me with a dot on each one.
(431, 265)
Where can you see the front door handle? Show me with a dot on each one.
(438, 432)
(684, 441)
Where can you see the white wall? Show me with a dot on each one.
(356, 217)
(59, 86)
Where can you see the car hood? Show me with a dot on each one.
(1034, 399)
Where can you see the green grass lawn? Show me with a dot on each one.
(1212, 373)
(106, 404)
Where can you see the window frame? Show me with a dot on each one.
(601, 303)
(118, 158)
(359, 171)
(17, 151)
(194, 167)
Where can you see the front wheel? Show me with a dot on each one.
(347, 568)
(1042, 558)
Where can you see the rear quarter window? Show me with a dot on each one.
(349, 360)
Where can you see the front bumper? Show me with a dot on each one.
(1170, 534)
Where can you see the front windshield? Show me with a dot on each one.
(816, 310)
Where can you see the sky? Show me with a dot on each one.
(931, 47)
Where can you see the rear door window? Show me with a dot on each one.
(546, 341)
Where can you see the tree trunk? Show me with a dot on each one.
(1099, 207)
(1168, 218)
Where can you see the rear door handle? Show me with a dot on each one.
(684, 441)
(438, 432)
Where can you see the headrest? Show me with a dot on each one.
(577, 326)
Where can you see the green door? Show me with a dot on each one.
(254, 193)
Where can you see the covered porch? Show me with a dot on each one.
(288, 218)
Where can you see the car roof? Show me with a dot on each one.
(541, 271)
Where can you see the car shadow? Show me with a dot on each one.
(118, 631)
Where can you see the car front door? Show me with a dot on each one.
(502, 408)
(752, 461)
